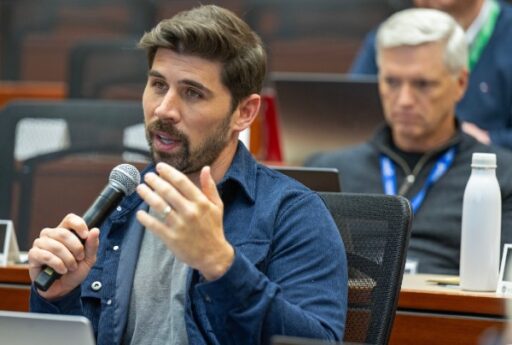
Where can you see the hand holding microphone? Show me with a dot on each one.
(55, 246)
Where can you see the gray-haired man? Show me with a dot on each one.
(421, 152)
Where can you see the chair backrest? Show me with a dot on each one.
(107, 69)
(56, 157)
(36, 35)
(375, 229)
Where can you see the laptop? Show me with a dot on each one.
(285, 340)
(319, 112)
(317, 179)
(19, 328)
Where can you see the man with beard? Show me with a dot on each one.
(214, 248)
(421, 152)
(486, 108)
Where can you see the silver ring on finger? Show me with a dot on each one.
(165, 212)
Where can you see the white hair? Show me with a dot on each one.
(416, 26)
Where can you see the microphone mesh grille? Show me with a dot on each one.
(126, 177)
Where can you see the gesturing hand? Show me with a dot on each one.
(476, 132)
(193, 230)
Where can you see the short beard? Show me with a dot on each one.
(190, 160)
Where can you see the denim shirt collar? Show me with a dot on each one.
(242, 172)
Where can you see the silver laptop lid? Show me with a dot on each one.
(18, 328)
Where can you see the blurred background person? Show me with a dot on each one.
(486, 108)
(421, 152)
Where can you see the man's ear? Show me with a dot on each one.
(462, 82)
(248, 109)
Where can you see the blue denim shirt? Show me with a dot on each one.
(289, 275)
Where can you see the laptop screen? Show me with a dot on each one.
(317, 179)
(18, 328)
(319, 112)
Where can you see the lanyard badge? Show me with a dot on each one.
(388, 175)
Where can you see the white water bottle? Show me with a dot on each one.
(481, 226)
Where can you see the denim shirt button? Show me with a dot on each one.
(109, 301)
(96, 286)
(207, 299)
(119, 209)
(115, 248)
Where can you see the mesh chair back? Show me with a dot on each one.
(56, 157)
(107, 69)
(375, 230)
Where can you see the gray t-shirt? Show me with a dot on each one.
(157, 303)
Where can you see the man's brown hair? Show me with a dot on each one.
(215, 34)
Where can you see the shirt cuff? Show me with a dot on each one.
(236, 286)
(69, 304)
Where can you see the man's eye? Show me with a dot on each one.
(158, 84)
(193, 93)
(392, 82)
(423, 84)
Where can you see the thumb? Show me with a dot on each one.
(91, 246)
(209, 187)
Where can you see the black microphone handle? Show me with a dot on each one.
(109, 197)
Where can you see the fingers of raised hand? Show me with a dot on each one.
(162, 188)
(156, 202)
(157, 226)
(209, 187)
(178, 180)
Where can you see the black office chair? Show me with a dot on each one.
(107, 69)
(376, 231)
(56, 157)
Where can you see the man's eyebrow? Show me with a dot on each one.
(156, 74)
(187, 82)
(196, 85)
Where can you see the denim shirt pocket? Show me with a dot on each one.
(256, 251)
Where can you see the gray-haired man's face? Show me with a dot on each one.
(418, 93)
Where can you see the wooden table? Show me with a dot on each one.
(433, 314)
(427, 313)
(14, 288)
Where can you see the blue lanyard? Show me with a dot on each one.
(388, 175)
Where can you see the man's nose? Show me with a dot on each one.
(169, 107)
(405, 95)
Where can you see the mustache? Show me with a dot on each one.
(167, 127)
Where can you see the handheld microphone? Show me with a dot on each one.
(122, 181)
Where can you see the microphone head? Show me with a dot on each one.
(125, 177)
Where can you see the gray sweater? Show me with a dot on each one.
(436, 229)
